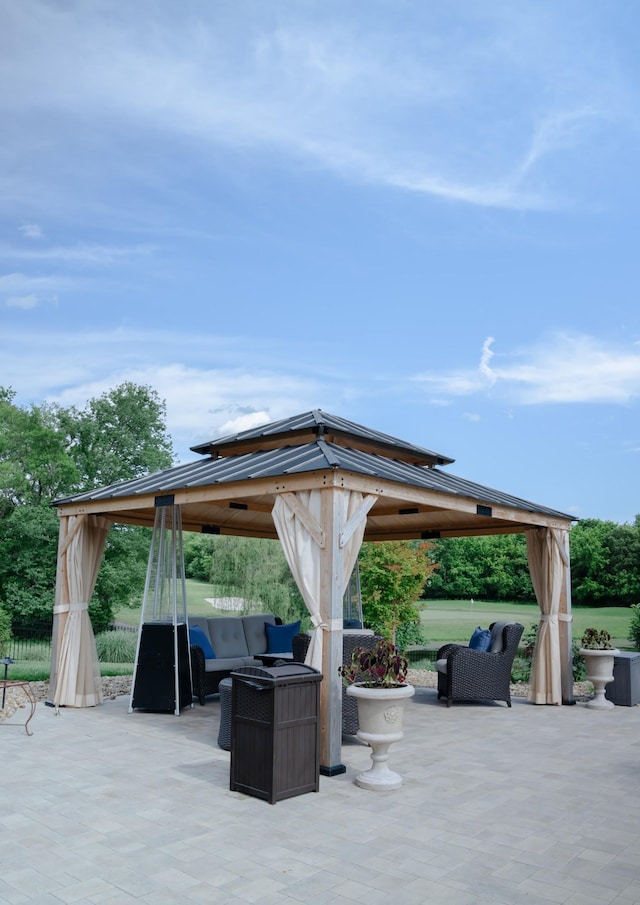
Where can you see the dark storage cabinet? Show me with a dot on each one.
(154, 684)
(625, 688)
(275, 731)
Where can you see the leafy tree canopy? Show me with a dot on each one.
(605, 566)
(393, 575)
(48, 452)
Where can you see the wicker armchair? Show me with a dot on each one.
(349, 643)
(473, 675)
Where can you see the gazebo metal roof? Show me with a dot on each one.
(231, 490)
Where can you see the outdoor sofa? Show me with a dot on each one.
(220, 644)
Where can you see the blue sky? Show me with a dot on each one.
(419, 216)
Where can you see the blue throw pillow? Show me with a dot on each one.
(280, 637)
(197, 636)
(481, 639)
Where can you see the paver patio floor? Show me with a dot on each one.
(532, 805)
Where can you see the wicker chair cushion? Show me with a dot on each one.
(481, 639)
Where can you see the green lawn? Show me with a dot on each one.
(447, 620)
(455, 620)
(197, 592)
(38, 671)
(442, 620)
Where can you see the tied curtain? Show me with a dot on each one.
(298, 520)
(548, 564)
(75, 670)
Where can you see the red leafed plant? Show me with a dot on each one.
(382, 667)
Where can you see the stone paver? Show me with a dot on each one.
(534, 805)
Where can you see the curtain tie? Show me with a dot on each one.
(70, 607)
(551, 618)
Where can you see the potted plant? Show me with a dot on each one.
(377, 678)
(598, 656)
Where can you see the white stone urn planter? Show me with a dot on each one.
(380, 715)
(599, 665)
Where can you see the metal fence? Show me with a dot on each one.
(30, 642)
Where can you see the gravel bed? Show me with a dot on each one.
(112, 686)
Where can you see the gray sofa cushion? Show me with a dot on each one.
(202, 622)
(255, 633)
(227, 637)
(228, 663)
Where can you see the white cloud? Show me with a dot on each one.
(370, 99)
(89, 255)
(204, 399)
(216, 385)
(565, 368)
(22, 301)
(23, 283)
(31, 231)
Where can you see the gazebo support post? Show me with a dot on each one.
(566, 634)
(331, 610)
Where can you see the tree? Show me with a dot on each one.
(590, 565)
(118, 436)
(252, 568)
(48, 452)
(490, 568)
(5, 632)
(28, 548)
(35, 465)
(392, 578)
(623, 546)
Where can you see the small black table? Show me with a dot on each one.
(273, 659)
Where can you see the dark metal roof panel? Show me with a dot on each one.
(318, 419)
(298, 460)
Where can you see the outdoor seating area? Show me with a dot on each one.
(532, 804)
(223, 643)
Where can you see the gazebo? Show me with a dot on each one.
(321, 485)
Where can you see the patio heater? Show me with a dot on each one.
(352, 602)
(162, 671)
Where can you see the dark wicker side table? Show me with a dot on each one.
(224, 732)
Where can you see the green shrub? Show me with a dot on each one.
(5, 632)
(116, 646)
(521, 669)
(409, 633)
(634, 626)
(579, 666)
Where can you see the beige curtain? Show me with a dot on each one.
(548, 563)
(298, 517)
(75, 671)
